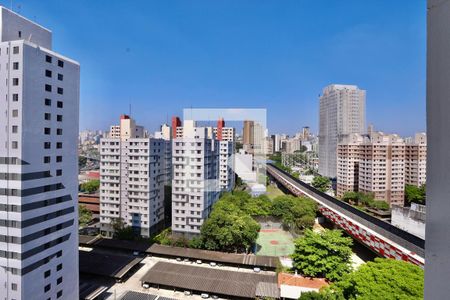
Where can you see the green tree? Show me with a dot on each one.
(84, 215)
(311, 296)
(90, 186)
(321, 183)
(228, 229)
(381, 279)
(296, 213)
(326, 254)
(415, 194)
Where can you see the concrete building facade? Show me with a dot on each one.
(38, 164)
(195, 183)
(342, 112)
(133, 172)
(380, 164)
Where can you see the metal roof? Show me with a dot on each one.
(110, 265)
(209, 280)
(131, 295)
(215, 256)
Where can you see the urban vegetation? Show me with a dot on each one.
(415, 194)
(364, 200)
(84, 215)
(321, 183)
(381, 279)
(323, 254)
(90, 186)
(232, 225)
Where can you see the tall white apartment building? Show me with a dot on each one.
(195, 182)
(133, 171)
(342, 111)
(38, 164)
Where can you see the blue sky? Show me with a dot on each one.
(163, 56)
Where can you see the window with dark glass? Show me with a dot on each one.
(48, 58)
(48, 73)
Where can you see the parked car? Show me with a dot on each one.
(199, 261)
(204, 295)
(212, 264)
(256, 270)
(187, 293)
(178, 259)
(146, 286)
(215, 297)
(136, 253)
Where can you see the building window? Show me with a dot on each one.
(48, 58)
(59, 294)
(15, 81)
(48, 102)
(59, 118)
(59, 104)
(15, 97)
(47, 288)
(47, 145)
(47, 273)
(47, 116)
(60, 91)
(59, 145)
(48, 87)
(60, 77)
(14, 145)
(60, 63)
(46, 130)
(59, 159)
(19, 34)
(59, 267)
(59, 280)
(59, 172)
(48, 73)
(14, 286)
(15, 129)
(16, 49)
(15, 113)
(15, 66)
(59, 131)
(46, 159)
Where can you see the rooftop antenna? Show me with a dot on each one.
(129, 111)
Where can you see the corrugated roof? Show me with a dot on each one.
(222, 257)
(110, 265)
(209, 280)
(131, 295)
(267, 289)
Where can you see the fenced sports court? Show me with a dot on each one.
(274, 242)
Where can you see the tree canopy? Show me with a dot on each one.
(325, 254)
(296, 213)
(364, 199)
(84, 215)
(415, 194)
(90, 186)
(228, 228)
(321, 183)
(381, 279)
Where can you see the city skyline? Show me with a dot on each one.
(242, 57)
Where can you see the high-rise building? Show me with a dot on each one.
(133, 171)
(342, 112)
(226, 138)
(380, 164)
(248, 132)
(38, 164)
(416, 160)
(195, 183)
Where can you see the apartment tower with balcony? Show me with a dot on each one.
(133, 172)
(195, 181)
